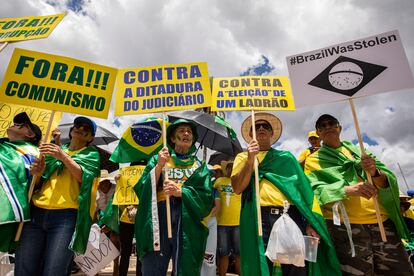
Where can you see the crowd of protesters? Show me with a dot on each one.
(204, 220)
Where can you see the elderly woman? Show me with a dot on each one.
(191, 199)
(60, 211)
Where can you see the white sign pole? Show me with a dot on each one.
(256, 182)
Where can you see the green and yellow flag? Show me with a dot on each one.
(15, 160)
(140, 141)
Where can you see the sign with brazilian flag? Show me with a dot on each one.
(140, 141)
(58, 83)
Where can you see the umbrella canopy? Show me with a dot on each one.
(106, 164)
(102, 135)
(217, 157)
(212, 132)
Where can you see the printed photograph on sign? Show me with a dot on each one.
(162, 88)
(252, 93)
(58, 83)
(356, 68)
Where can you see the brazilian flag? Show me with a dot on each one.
(140, 141)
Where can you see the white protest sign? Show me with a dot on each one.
(354, 69)
(100, 252)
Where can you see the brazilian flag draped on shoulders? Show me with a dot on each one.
(15, 160)
(197, 202)
(139, 141)
(89, 161)
(282, 169)
(330, 171)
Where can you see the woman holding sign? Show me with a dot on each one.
(61, 211)
(189, 187)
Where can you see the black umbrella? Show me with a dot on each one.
(217, 157)
(102, 135)
(211, 134)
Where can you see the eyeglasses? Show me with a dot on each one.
(328, 124)
(263, 125)
(86, 127)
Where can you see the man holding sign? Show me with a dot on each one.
(337, 175)
(17, 154)
(191, 198)
(61, 214)
(281, 179)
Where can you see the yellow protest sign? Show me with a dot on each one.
(37, 116)
(58, 83)
(29, 27)
(124, 193)
(162, 88)
(252, 93)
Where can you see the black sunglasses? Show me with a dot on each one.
(263, 125)
(328, 124)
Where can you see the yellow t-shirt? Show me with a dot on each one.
(60, 191)
(303, 155)
(230, 203)
(269, 194)
(177, 173)
(359, 209)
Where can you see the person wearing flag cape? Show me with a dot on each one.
(337, 175)
(191, 199)
(17, 153)
(281, 178)
(62, 209)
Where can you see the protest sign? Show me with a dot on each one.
(355, 69)
(162, 88)
(124, 193)
(100, 252)
(58, 83)
(38, 116)
(28, 27)
(252, 93)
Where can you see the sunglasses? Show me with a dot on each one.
(19, 125)
(328, 124)
(86, 127)
(263, 125)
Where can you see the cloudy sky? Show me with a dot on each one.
(238, 37)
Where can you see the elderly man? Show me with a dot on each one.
(337, 172)
(281, 178)
(61, 213)
(191, 199)
(17, 154)
(315, 144)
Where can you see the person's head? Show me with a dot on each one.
(329, 130)
(83, 130)
(217, 171)
(227, 167)
(24, 129)
(404, 202)
(313, 139)
(268, 129)
(182, 135)
(105, 182)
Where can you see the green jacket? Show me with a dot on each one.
(197, 202)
